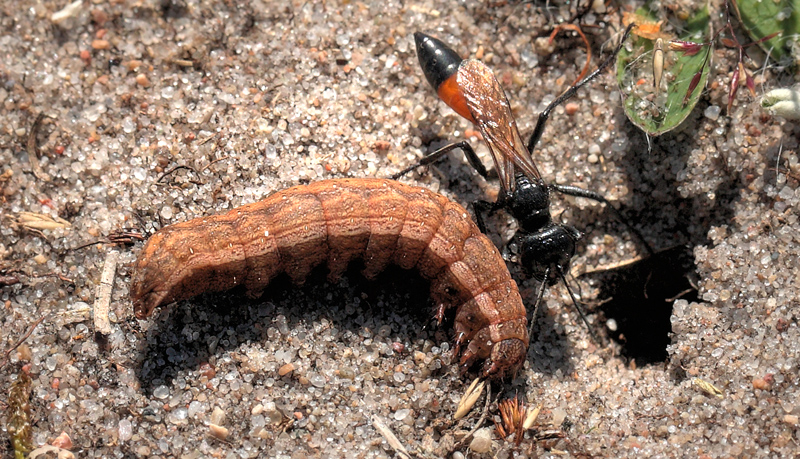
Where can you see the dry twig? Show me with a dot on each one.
(478, 424)
(577, 29)
(21, 340)
(390, 437)
(31, 149)
(102, 300)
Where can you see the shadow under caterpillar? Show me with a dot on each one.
(335, 222)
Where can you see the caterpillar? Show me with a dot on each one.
(378, 221)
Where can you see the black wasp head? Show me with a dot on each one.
(546, 253)
(529, 203)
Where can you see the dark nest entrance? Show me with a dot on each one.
(638, 296)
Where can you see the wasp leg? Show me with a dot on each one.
(482, 208)
(473, 159)
(540, 123)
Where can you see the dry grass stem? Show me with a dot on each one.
(469, 398)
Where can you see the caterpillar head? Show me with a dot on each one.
(506, 358)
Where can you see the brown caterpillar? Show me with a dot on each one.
(379, 221)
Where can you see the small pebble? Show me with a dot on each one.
(559, 414)
(218, 431)
(24, 353)
(99, 16)
(141, 80)
(761, 383)
(196, 408)
(400, 415)
(571, 108)
(286, 369)
(481, 441)
(161, 392)
(125, 430)
(178, 416)
(207, 370)
(272, 415)
(217, 416)
(712, 112)
(63, 441)
(100, 44)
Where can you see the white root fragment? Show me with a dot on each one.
(67, 12)
(530, 417)
(102, 299)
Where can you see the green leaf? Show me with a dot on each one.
(762, 18)
(657, 112)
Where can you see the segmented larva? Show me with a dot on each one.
(379, 221)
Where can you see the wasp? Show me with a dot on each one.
(543, 247)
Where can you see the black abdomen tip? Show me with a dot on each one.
(437, 60)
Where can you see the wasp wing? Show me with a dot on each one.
(492, 114)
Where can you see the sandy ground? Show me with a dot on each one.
(158, 112)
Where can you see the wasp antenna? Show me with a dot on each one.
(538, 302)
(578, 307)
(594, 196)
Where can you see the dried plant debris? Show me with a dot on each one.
(708, 388)
(390, 437)
(685, 65)
(18, 417)
(69, 11)
(102, 300)
(8, 279)
(516, 417)
(37, 221)
(33, 154)
(469, 398)
(772, 25)
(47, 451)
